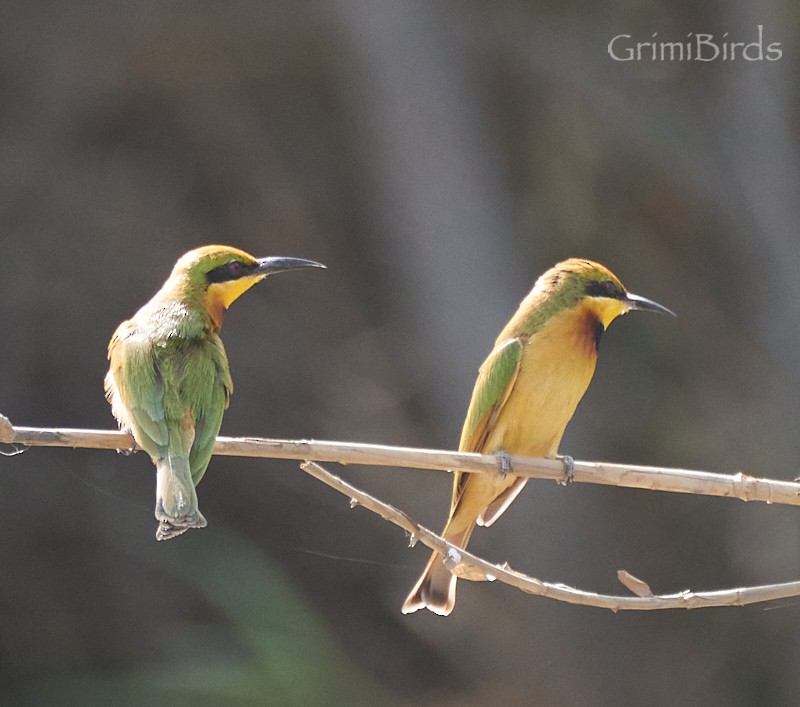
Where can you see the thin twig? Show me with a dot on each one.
(740, 485)
(459, 561)
(468, 566)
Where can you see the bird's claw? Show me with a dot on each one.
(569, 470)
(505, 463)
(133, 448)
(14, 449)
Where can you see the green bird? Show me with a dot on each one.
(526, 393)
(169, 382)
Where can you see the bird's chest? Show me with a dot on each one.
(556, 369)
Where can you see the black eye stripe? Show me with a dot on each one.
(604, 288)
(232, 270)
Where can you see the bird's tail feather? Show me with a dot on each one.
(436, 588)
(176, 499)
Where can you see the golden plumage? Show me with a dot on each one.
(526, 393)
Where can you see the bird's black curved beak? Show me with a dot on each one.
(646, 305)
(268, 266)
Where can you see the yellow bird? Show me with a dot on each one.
(526, 393)
(168, 381)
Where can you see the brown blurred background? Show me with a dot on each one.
(437, 157)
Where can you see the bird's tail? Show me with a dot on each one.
(436, 588)
(176, 499)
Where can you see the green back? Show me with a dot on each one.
(176, 384)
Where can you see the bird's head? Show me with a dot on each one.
(587, 290)
(596, 289)
(220, 274)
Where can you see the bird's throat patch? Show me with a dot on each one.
(220, 296)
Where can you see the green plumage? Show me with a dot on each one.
(495, 379)
(169, 367)
(168, 380)
(177, 384)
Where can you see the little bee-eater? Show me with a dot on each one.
(169, 381)
(526, 393)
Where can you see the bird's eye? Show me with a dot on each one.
(232, 270)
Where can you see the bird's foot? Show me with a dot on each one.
(569, 470)
(173, 527)
(505, 463)
(132, 449)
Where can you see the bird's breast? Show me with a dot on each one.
(557, 366)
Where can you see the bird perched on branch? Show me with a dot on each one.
(169, 381)
(526, 393)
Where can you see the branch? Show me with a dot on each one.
(468, 566)
(462, 563)
(741, 486)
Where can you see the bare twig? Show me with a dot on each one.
(740, 485)
(468, 566)
(462, 563)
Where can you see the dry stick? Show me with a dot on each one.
(468, 566)
(741, 486)
(461, 562)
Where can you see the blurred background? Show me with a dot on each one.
(437, 157)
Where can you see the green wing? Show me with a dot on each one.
(208, 415)
(495, 381)
(135, 375)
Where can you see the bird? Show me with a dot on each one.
(526, 392)
(169, 382)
